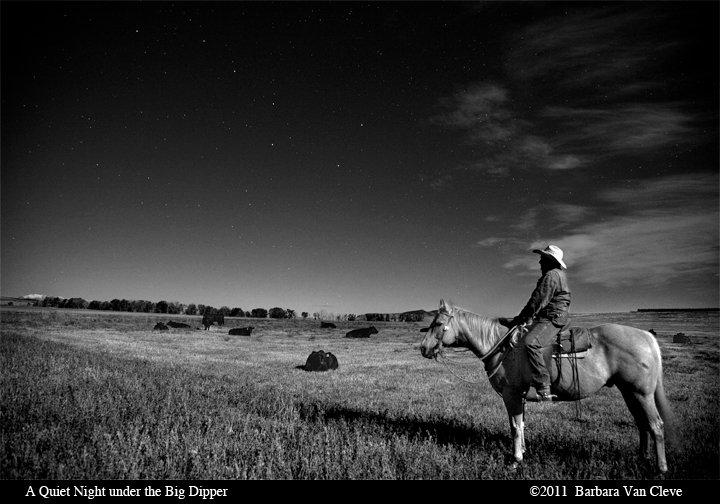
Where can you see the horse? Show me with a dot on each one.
(621, 356)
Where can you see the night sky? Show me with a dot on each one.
(360, 157)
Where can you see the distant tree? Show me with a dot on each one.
(142, 306)
(237, 312)
(209, 310)
(277, 313)
(259, 313)
(351, 317)
(105, 305)
(290, 313)
(75, 303)
(224, 311)
(94, 305)
(201, 309)
(304, 315)
(161, 307)
(191, 309)
(175, 308)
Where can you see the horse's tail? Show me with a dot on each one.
(662, 403)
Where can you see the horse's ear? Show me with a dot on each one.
(443, 305)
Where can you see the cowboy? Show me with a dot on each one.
(547, 312)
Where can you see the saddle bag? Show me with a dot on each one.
(573, 340)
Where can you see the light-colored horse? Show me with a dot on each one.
(623, 356)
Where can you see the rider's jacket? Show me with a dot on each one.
(550, 301)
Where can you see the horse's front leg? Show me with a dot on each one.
(514, 406)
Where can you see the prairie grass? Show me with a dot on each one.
(92, 395)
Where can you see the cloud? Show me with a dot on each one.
(479, 108)
(644, 249)
(622, 129)
(565, 213)
(489, 242)
(505, 140)
(661, 230)
(591, 48)
(597, 81)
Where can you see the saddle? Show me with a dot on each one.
(571, 341)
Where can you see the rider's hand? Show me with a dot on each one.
(517, 321)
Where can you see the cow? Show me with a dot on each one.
(160, 327)
(210, 318)
(178, 325)
(241, 331)
(321, 361)
(365, 332)
(327, 325)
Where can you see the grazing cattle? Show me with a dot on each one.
(681, 338)
(327, 325)
(321, 361)
(241, 331)
(365, 332)
(160, 327)
(178, 325)
(210, 318)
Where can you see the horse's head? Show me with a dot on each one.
(441, 332)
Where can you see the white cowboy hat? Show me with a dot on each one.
(554, 253)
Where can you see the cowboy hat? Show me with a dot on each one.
(554, 253)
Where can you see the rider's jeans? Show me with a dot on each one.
(541, 334)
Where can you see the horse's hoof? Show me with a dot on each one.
(515, 465)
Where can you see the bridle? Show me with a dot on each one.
(440, 338)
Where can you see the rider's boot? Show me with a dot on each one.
(544, 394)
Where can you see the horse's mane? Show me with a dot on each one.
(481, 327)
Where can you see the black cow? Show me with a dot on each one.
(365, 332)
(210, 318)
(681, 338)
(321, 361)
(241, 331)
(178, 325)
(160, 327)
(327, 325)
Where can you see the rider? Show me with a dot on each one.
(547, 310)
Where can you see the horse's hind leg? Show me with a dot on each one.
(640, 421)
(649, 423)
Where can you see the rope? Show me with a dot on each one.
(575, 377)
(443, 362)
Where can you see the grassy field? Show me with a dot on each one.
(100, 395)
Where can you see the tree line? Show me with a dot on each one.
(168, 307)
(176, 308)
